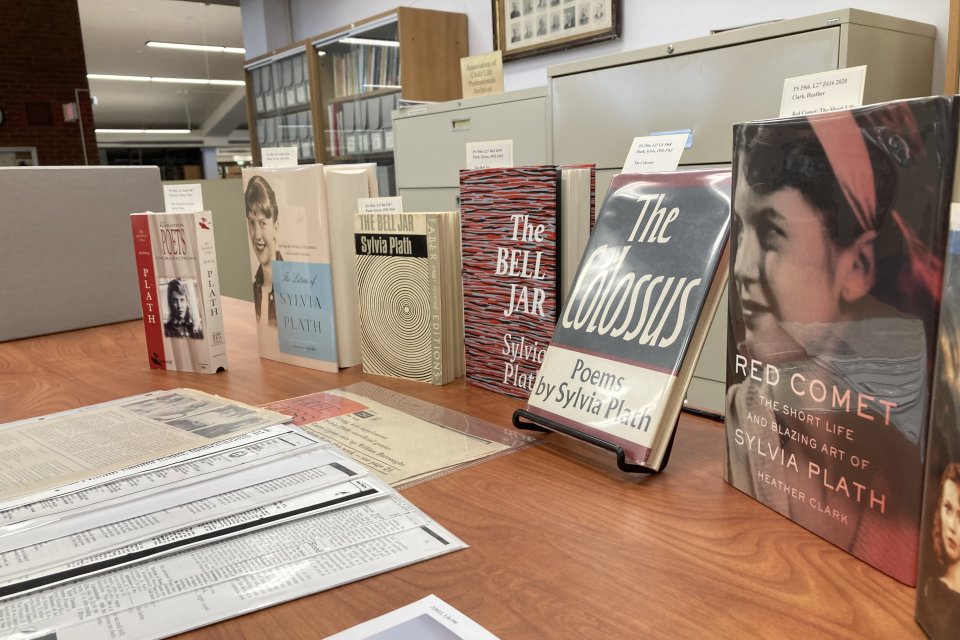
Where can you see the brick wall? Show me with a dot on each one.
(41, 64)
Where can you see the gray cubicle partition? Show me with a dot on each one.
(706, 84)
(67, 260)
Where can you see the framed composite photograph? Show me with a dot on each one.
(529, 27)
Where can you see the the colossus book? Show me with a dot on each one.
(633, 324)
(839, 235)
(406, 268)
(511, 263)
(179, 291)
(938, 583)
(288, 229)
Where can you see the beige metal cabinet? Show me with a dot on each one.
(430, 142)
(706, 84)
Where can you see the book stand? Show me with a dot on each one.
(523, 419)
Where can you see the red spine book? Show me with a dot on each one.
(153, 328)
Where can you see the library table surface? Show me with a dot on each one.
(562, 545)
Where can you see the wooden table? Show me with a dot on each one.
(562, 545)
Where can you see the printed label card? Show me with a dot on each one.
(182, 198)
(823, 92)
(490, 155)
(655, 153)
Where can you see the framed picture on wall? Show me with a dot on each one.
(529, 27)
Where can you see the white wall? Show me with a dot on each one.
(645, 23)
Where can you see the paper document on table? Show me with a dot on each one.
(44, 452)
(399, 447)
(233, 576)
(429, 618)
(194, 465)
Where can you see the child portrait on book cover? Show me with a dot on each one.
(833, 300)
(180, 322)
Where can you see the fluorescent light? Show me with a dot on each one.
(105, 76)
(161, 131)
(195, 47)
(382, 86)
(370, 41)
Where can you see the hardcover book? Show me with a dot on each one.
(407, 315)
(179, 291)
(636, 318)
(840, 226)
(345, 184)
(938, 582)
(288, 226)
(510, 234)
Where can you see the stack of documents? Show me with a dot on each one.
(258, 514)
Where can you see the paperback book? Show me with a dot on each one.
(179, 291)
(837, 260)
(633, 324)
(407, 272)
(938, 582)
(289, 231)
(511, 266)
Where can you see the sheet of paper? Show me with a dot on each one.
(192, 501)
(51, 561)
(145, 480)
(54, 450)
(278, 157)
(823, 92)
(392, 204)
(395, 445)
(182, 198)
(230, 577)
(490, 154)
(429, 618)
(655, 153)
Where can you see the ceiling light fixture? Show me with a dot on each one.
(160, 131)
(194, 47)
(106, 76)
(370, 41)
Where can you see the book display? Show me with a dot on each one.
(837, 258)
(410, 324)
(779, 331)
(180, 291)
(626, 342)
(289, 229)
(938, 591)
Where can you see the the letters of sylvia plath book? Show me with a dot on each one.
(632, 326)
(288, 230)
(835, 288)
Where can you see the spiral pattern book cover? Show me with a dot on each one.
(399, 278)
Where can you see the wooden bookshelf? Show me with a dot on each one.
(562, 545)
(425, 65)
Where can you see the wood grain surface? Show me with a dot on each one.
(562, 545)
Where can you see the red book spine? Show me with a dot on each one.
(153, 327)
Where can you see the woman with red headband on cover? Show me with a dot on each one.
(833, 308)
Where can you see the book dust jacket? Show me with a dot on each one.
(838, 242)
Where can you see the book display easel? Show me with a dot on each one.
(523, 419)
